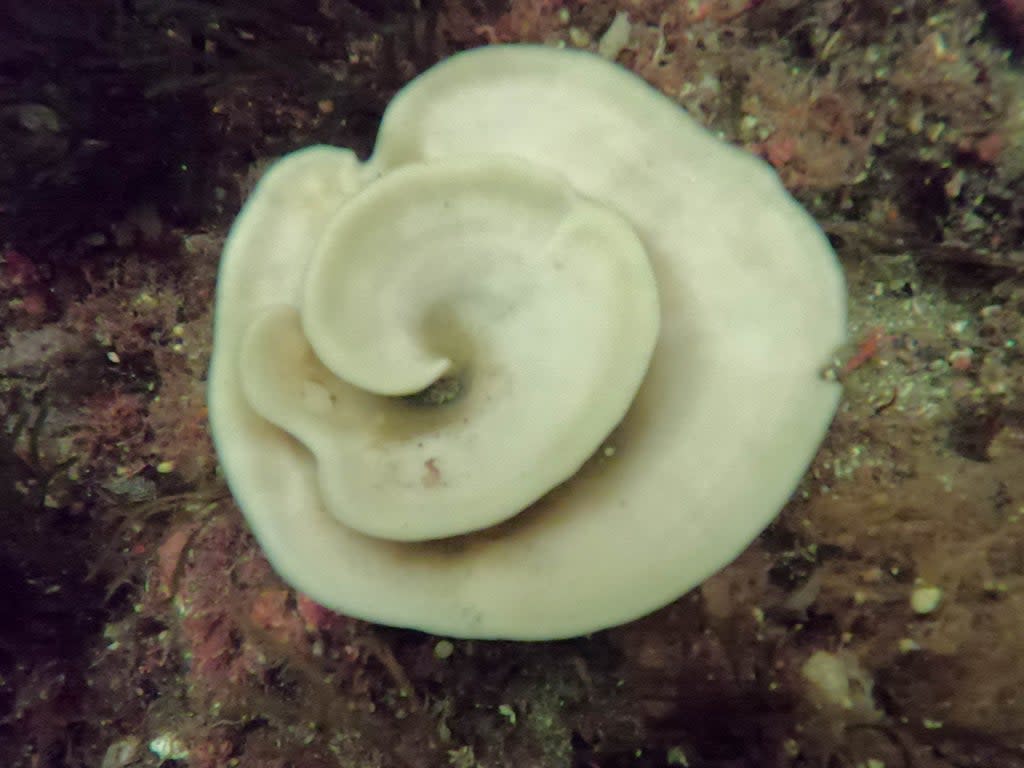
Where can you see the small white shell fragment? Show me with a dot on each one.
(615, 38)
(925, 599)
(908, 645)
(443, 649)
(122, 752)
(169, 746)
(837, 681)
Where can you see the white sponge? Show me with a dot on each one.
(634, 315)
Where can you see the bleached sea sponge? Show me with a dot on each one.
(631, 315)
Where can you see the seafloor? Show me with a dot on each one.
(879, 623)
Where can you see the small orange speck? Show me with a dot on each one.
(867, 349)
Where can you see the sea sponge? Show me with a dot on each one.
(631, 314)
